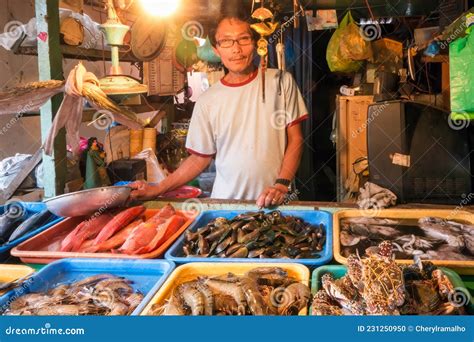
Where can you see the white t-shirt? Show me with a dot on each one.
(246, 135)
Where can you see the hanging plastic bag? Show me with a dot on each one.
(461, 74)
(336, 61)
(154, 172)
(355, 44)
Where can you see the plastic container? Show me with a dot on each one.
(10, 273)
(462, 267)
(31, 208)
(313, 217)
(338, 271)
(147, 276)
(45, 247)
(191, 271)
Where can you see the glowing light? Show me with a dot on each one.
(162, 8)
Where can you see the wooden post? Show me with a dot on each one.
(50, 68)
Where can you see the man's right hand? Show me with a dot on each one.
(142, 190)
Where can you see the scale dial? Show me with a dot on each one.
(148, 38)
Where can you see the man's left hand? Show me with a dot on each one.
(272, 196)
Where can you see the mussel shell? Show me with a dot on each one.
(240, 253)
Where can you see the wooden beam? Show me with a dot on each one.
(50, 68)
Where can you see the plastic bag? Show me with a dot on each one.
(336, 61)
(461, 74)
(354, 44)
(117, 144)
(154, 172)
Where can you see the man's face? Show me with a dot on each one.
(236, 58)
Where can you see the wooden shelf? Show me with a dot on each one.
(74, 52)
(88, 113)
(436, 59)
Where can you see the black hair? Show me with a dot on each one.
(231, 11)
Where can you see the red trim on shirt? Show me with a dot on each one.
(297, 121)
(200, 154)
(252, 77)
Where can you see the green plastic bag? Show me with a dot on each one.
(461, 74)
(336, 60)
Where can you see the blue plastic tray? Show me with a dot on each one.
(313, 217)
(147, 276)
(31, 208)
(338, 271)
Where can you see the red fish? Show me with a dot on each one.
(120, 221)
(162, 232)
(145, 232)
(87, 229)
(115, 241)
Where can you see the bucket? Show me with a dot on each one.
(149, 139)
(136, 141)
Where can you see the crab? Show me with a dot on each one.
(428, 291)
(376, 285)
(379, 280)
(323, 305)
(344, 293)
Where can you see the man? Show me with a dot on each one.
(257, 145)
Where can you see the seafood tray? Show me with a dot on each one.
(190, 271)
(313, 217)
(31, 208)
(147, 276)
(459, 266)
(338, 271)
(10, 273)
(45, 247)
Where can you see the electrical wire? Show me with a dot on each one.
(370, 10)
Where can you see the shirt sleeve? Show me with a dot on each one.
(201, 139)
(295, 105)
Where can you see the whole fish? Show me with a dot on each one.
(144, 233)
(87, 229)
(121, 220)
(8, 222)
(162, 232)
(33, 222)
(115, 241)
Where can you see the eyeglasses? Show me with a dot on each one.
(227, 43)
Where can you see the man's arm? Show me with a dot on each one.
(192, 167)
(293, 152)
(275, 195)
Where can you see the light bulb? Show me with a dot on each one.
(162, 8)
